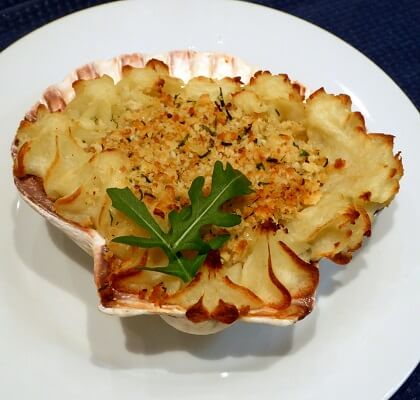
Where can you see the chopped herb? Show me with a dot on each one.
(247, 129)
(147, 178)
(218, 106)
(149, 195)
(326, 162)
(222, 105)
(137, 187)
(260, 166)
(272, 160)
(277, 112)
(226, 144)
(228, 114)
(294, 144)
(207, 129)
(245, 132)
(205, 154)
(186, 224)
(303, 153)
(250, 215)
(221, 99)
(184, 140)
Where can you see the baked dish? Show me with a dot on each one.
(206, 192)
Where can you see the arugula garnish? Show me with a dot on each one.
(186, 224)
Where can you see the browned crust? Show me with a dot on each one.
(351, 215)
(339, 163)
(225, 313)
(247, 292)
(197, 312)
(365, 196)
(68, 199)
(269, 226)
(213, 259)
(317, 92)
(19, 167)
(157, 65)
(340, 258)
(158, 295)
(311, 269)
(32, 187)
(117, 280)
(344, 99)
(298, 89)
(284, 292)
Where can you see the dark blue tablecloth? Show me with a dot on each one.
(388, 32)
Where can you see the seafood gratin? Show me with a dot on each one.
(208, 200)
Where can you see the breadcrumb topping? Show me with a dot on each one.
(169, 132)
(172, 139)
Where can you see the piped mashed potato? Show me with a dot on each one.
(318, 179)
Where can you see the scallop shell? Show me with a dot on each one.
(184, 65)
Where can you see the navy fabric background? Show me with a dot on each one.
(388, 32)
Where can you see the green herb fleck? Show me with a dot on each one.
(186, 224)
(207, 129)
(260, 166)
(184, 140)
(222, 105)
(204, 154)
(148, 180)
(303, 153)
(244, 132)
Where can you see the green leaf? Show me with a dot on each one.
(186, 224)
(218, 241)
(137, 241)
(186, 272)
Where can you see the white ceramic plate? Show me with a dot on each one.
(362, 340)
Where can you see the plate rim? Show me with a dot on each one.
(21, 41)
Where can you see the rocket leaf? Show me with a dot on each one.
(186, 224)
